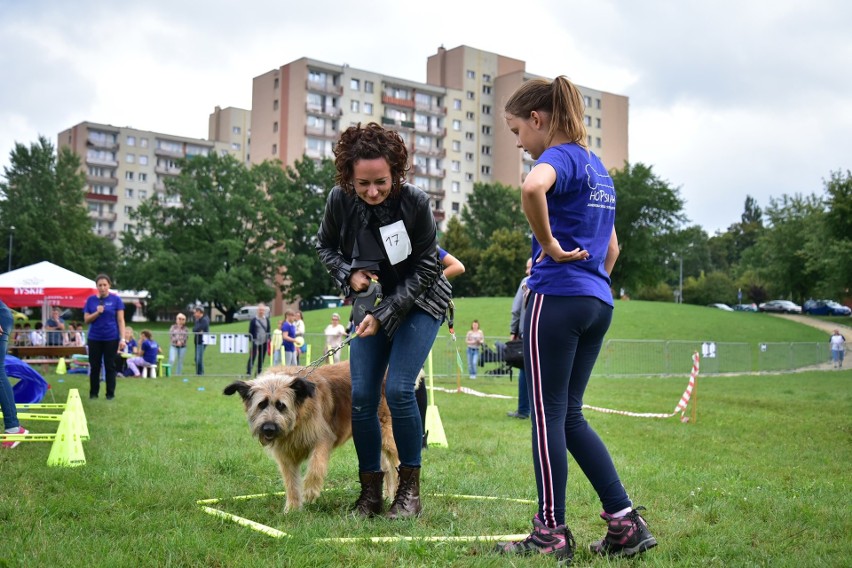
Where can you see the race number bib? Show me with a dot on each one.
(396, 242)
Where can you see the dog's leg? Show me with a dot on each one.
(292, 485)
(317, 470)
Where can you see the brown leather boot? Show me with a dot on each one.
(407, 501)
(370, 502)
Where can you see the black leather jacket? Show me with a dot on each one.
(416, 280)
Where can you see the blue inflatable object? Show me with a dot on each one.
(31, 386)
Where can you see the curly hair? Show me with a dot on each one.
(367, 143)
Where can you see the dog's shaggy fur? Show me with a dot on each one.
(298, 419)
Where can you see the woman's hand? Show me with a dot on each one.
(368, 326)
(554, 250)
(360, 280)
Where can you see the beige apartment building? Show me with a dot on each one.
(232, 126)
(125, 166)
(453, 124)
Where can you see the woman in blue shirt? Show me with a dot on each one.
(104, 312)
(569, 201)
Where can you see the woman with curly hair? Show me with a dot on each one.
(378, 240)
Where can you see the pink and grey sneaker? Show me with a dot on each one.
(543, 540)
(625, 536)
(9, 444)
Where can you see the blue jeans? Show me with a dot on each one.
(402, 357)
(199, 358)
(472, 360)
(176, 355)
(562, 338)
(7, 396)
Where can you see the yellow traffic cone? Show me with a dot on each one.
(67, 448)
(60, 367)
(434, 427)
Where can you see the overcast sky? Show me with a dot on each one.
(727, 98)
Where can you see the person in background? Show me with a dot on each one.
(288, 338)
(378, 241)
(569, 201)
(7, 396)
(25, 338)
(75, 335)
(838, 348)
(334, 335)
(452, 267)
(474, 339)
(150, 349)
(104, 312)
(259, 335)
(130, 350)
(17, 338)
(54, 328)
(37, 335)
(199, 328)
(300, 332)
(178, 336)
(519, 306)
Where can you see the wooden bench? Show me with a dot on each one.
(45, 355)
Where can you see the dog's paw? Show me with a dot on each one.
(291, 506)
(312, 494)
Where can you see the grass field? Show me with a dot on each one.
(761, 478)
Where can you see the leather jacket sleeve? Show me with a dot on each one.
(330, 236)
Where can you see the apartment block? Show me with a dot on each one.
(125, 166)
(453, 124)
(232, 126)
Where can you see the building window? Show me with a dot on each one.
(456, 146)
(235, 146)
(486, 170)
(143, 142)
(587, 100)
(275, 149)
(355, 106)
(455, 187)
(486, 90)
(469, 115)
(455, 207)
(468, 156)
(588, 120)
(486, 150)
(275, 126)
(131, 141)
(456, 124)
(486, 109)
(275, 104)
(598, 142)
(598, 103)
(468, 177)
(486, 78)
(455, 165)
(368, 107)
(589, 140)
(128, 176)
(486, 130)
(128, 209)
(128, 193)
(468, 136)
(143, 160)
(456, 104)
(355, 84)
(368, 86)
(143, 194)
(274, 86)
(471, 74)
(143, 177)
(130, 158)
(598, 122)
(237, 129)
(471, 95)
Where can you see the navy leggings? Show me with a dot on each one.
(562, 338)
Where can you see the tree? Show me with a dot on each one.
(648, 213)
(837, 255)
(503, 263)
(492, 206)
(456, 241)
(43, 197)
(217, 235)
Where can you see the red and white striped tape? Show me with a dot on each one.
(681, 405)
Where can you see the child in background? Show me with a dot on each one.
(150, 349)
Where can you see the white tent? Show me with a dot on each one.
(45, 284)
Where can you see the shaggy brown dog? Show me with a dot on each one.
(298, 419)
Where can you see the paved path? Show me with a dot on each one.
(826, 326)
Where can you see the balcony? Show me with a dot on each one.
(430, 108)
(99, 216)
(167, 171)
(328, 88)
(325, 132)
(101, 197)
(439, 214)
(430, 151)
(388, 100)
(169, 153)
(333, 112)
(437, 193)
(105, 144)
(397, 123)
(102, 180)
(101, 162)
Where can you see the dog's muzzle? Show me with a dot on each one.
(269, 431)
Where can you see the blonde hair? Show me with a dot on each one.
(561, 99)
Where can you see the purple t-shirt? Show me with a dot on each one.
(290, 329)
(581, 209)
(105, 326)
(150, 350)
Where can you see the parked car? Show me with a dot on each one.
(826, 308)
(724, 307)
(245, 313)
(780, 307)
(745, 307)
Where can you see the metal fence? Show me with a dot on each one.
(619, 357)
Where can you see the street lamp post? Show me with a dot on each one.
(11, 234)
(680, 282)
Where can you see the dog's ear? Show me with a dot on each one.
(241, 387)
(303, 389)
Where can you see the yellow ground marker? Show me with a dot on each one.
(437, 436)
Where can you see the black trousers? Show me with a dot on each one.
(258, 353)
(102, 354)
